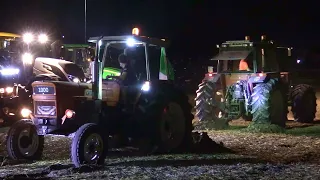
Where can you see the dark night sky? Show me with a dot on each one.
(194, 26)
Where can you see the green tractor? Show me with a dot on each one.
(156, 117)
(249, 84)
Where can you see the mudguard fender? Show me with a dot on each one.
(257, 79)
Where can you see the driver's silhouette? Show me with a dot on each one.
(243, 65)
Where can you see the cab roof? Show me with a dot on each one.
(9, 35)
(140, 39)
(76, 46)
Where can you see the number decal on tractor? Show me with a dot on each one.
(43, 90)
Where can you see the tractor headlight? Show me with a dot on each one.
(25, 112)
(9, 71)
(9, 90)
(76, 80)
(27, 58)
(43, 38)
(131, 42)
(28, 38)
(146, 86)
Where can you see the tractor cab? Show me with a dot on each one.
(145, 61)
(80, 54)
(240, 60)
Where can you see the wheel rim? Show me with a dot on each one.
(93, 148)
(276, 106)
(28, 142)
(173, 126)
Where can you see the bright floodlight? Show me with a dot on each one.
(9, 90)
(27, 58)
(25, 112)
(146, 86)
(28, 38)
(298, 61)
(43, 38)
(131, 42)
(76, 80)
(9, 71)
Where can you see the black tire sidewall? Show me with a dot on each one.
(300, 95)
(153, 119)
(13, 141)
(262, 111)
(77, 146)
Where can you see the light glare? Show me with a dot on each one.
(146, 86)
(9, 71)
(28, 38)
(43, 38)
(131, 42)
(27, 58)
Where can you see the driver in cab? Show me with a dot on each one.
(127, 75)
(243, 65)
(127, 80)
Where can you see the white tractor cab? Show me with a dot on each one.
(96, 113)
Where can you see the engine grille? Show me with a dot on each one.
(45, 108)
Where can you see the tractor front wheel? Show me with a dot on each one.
(88, 146)
(269, 104)
(23, 141)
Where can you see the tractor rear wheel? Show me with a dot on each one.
(304, 103)
(23, 141)
(269, 104)
(89, 146)
(168, 121)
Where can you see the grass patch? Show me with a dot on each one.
(236, 128)
(305, 131)
(264, 128)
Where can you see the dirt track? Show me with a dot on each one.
(255, 156)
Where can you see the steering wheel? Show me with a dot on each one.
(112, 78)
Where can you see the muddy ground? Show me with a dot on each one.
(290, 155)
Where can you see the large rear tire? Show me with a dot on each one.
(203, 109)
(169, 123)
(23, 141)
(88, 146)
(269, 104)
(304, 103)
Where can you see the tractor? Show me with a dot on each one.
(151, 114)
(24, 59)
(249, 83)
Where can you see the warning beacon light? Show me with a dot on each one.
(135, 31)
